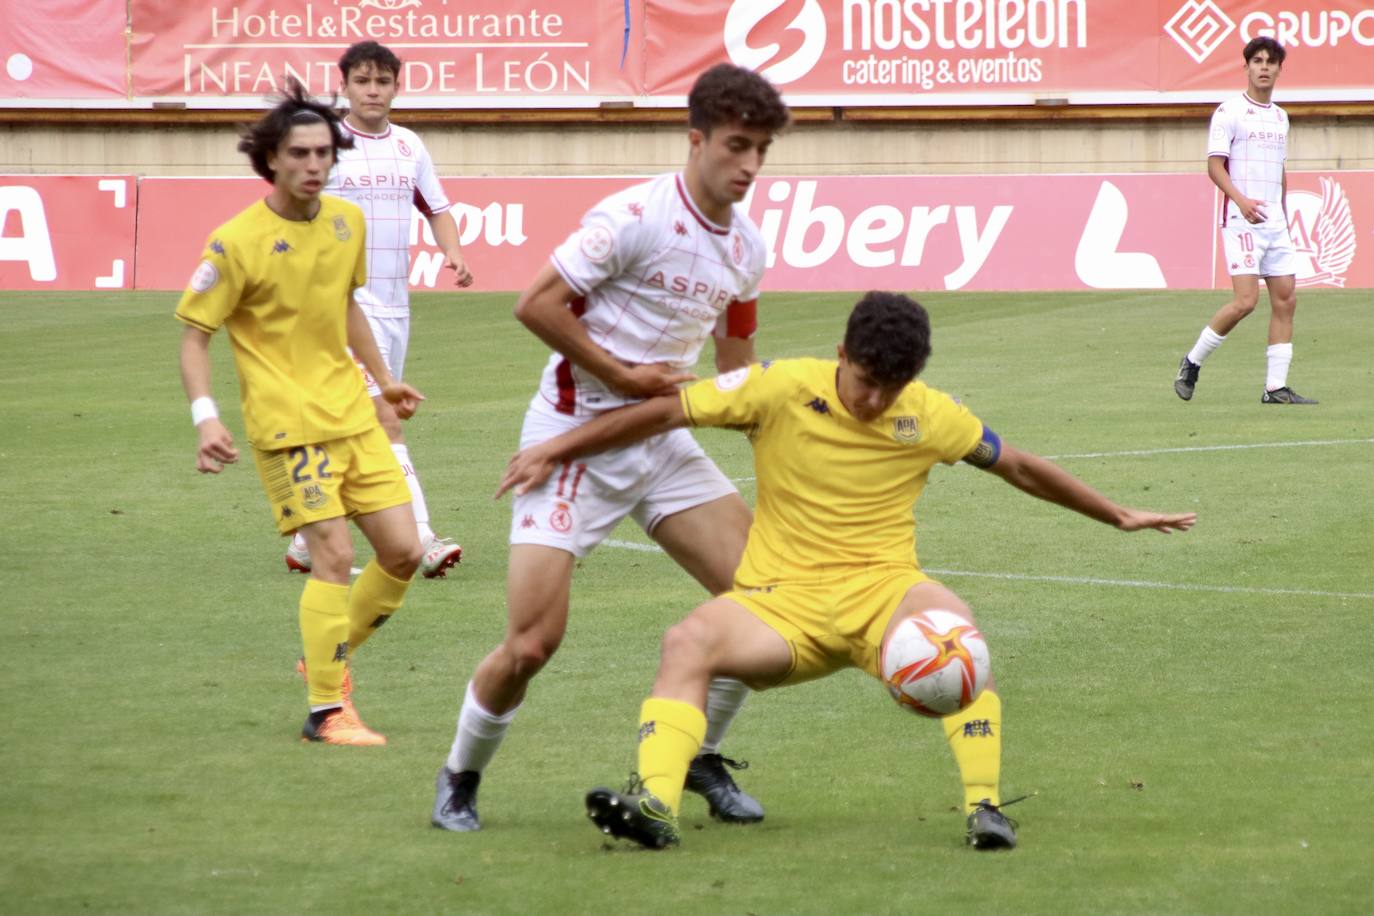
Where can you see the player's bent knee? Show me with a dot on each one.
(528, 653)
(687, 644)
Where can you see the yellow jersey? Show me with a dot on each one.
(834, 493)
(282, 288)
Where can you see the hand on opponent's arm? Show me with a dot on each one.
(543, 308)
(532, 466)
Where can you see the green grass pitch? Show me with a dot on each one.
(1193, 711)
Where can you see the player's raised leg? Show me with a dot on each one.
(381, 587)
(538, 583)
(324, 607)
(719, 638)
(707, 541)
(1213, 335)
(974, 733)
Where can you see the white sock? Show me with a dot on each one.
(1279, 356)
(1207, 341)
(479, 734)
(723, 700)
(417, 496)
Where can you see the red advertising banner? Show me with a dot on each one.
(997, 232)
(62, 49)
(68, 232)
(1009, 51)
(508, 55)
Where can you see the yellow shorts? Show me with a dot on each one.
(834, 623)
(352, 476)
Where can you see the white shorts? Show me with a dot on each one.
(392, 336)
(1259, 250)
(581, 502)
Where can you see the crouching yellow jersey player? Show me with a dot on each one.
(842, 449)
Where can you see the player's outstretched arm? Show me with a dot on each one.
(543, 308)
(532, 466)
(405, 399)
(216, 446)
(1045, 480)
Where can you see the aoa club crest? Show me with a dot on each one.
(313, 496)
(1323, 234)
(905, 429)
(341, 230)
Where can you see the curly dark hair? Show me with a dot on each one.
(889, 336)
(1265, 43)
(370, 52)
(296, 107)
(726, 94)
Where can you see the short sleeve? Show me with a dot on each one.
(741, 398)
(430, 198)
(1222, 132)
(214, 289)
(955, 431)
(612, 238)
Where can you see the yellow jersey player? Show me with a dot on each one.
(280, 276)
(842, 450)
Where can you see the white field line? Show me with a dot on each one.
(1082, 580)
(1181, 449)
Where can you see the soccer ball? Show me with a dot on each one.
(935, 663)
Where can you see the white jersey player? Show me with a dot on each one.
(1246, 151)
(389, 173)
(626, 303)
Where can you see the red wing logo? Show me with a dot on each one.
(1323, 232)
(679, 228)
(636, 210)
(560, 519)
(1199, 27)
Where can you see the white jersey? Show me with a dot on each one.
(1254, 139)
(655, 278)
(385, 174)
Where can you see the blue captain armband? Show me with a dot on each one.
(987, 451)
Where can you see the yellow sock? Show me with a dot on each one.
(324, 637)
(670, 732)
(375, 596)
(975, 737)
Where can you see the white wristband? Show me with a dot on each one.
(203, 409)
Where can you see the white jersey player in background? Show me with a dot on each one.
(387, 173)
(626, 303)
(1246, 150)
